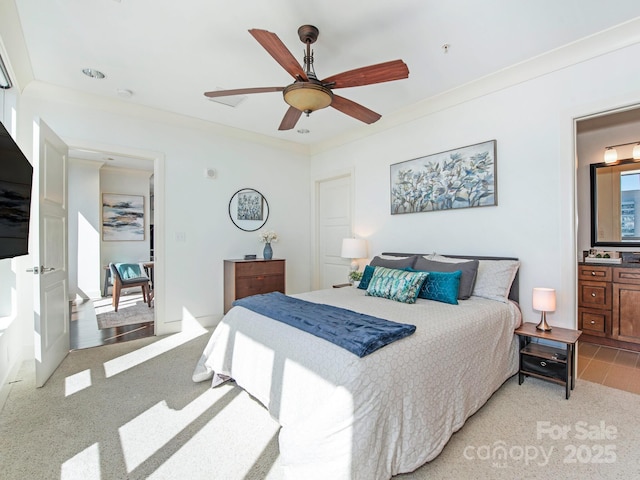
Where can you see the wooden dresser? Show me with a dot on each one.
(243, 278)
(609, 305)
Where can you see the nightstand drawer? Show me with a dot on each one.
(594, 295)
(544, 367)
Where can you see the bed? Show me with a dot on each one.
(389, 412)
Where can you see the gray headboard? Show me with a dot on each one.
(514, 293)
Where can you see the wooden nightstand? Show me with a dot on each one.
(545, 361)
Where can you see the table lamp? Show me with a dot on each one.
(354, 248)
(544, 299)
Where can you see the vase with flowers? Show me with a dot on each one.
(267, 237)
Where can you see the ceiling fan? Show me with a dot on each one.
(308, 94)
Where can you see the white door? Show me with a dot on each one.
(333, 224)
(50, 296)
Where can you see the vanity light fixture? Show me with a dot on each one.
(611, 154)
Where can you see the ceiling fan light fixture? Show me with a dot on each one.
(307, 97)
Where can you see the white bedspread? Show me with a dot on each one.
(345, 417)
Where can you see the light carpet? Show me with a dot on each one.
(131, 310)
(131, 411)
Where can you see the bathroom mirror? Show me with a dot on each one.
(615, 204)
(248, 209)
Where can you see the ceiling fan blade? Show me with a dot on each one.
(354, 109)
(272, 44)
(242, 91)
(382, 72)
(290, 119)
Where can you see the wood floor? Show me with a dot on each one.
(84, 332)
(608, 366)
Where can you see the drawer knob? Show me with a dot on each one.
(593, 274)
(593, 294)
(543, 364)
(593, 322)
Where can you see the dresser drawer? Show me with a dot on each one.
(249, 269)
(594, 322)
(246, 286)
(594, 295)
(594, 273)
(544, 367)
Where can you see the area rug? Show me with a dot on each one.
(131, 311)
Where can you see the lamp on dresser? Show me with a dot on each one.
(354, 248)
(544, 299)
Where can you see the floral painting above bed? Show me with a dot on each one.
(461, 178)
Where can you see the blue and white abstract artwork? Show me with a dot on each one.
(122, 217)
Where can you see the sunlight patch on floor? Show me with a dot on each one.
(151, 430)
(84, 465)
(75, 383)
(191, 329)
(222, 441)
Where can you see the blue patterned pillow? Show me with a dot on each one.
(442, 287)
(399, 285)
(366, 277)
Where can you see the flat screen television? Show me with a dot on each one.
(16, 175)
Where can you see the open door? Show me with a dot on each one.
(50, 271)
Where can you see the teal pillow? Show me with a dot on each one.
(442, 287)
(366, 277)
(128, 271)
(399, 285)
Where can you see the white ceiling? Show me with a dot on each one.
(169, 53)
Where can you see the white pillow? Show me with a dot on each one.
(441, 258)
(495, 278)
(392, 257)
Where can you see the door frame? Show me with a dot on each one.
(158, 158)
(315, 233)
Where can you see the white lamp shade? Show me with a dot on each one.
(636, 152)
(354, 248)
(544, 299)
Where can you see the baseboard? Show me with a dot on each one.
(5, 388)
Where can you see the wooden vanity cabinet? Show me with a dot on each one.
(626, 304)
(609, 304)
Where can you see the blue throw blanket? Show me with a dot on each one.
(359, 333)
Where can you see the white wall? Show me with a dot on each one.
(195, 208)
(533, 124)
(84, 229)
